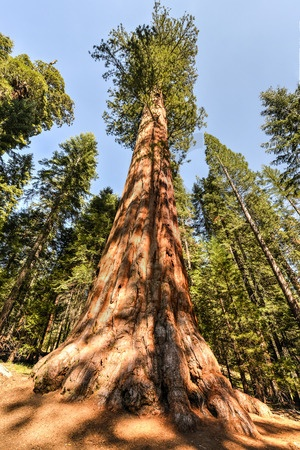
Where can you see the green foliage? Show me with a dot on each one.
(63, 276)
(242, 311)
(185, 213)
(32, 98)
(64, 181)
(278, 189)
(14, 174)
(282, 123)
(94, 224)
(78, 262)
(17, 238)
(6, 46)
(155, 58)
(62, 186)
(216, 152)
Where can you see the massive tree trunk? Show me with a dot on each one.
(137, 346)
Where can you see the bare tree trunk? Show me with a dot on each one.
(187, 252)
(293, 204)
(240, 360)
(293, 277)
(137, 346)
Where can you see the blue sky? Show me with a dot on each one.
(244, 48)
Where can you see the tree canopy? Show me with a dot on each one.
(282, 119)
(32, 98)
(159, 57)
(66, 177)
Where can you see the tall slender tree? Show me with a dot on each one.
(279, 189)
(137, 344)
(215, 150)
(62, 185)
(14, 175)
(232, 275)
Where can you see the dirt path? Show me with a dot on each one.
(31, 421)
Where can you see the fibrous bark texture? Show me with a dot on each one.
(137, 346)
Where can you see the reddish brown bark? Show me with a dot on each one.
(137, 345)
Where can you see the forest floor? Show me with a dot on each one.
(31, 421)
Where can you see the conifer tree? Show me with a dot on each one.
(32, 98)
(137, 346)
(222, 156)
(14, 175)
(282, 121)
(279, 189)
(62, 185)
(232, 276)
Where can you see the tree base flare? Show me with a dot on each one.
(161, 383)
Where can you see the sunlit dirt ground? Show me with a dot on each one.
(31, 421)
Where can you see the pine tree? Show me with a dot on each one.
(14, 175)
(215, 150)
(272, 179)
(62, 185)
(282, 119)
(244, 301)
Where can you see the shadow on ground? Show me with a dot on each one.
(31, 421)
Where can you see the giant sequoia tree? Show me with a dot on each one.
(137, 346)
